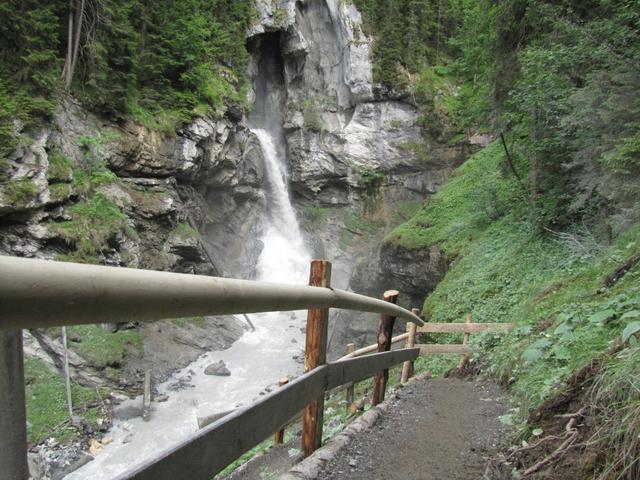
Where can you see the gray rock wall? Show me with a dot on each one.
(351, 151)
(352, 161)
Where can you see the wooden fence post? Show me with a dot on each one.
(315, 354)
(464, 358)
(146, 396)
(278, 437)
(407, 367)
(350, 396)
(385, 333)
(13, 417)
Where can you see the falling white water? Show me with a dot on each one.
(257, 360)
(284, 257)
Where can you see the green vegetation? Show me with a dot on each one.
(615, 394)
(371, 179)
(245, 457)
(186, 231)
(408, 209)
(408, 34)
(60, 192)
(102, 349)
(60, 168)
(20, 191)
(280, 16)
(311, 115)
(47, 403)
(316, 213)
(463, 207)
(550, 284)
(356, 223)
(94, 222)
(560, 81)
(155, 63)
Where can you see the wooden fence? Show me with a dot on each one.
(463, 349)
(36, 293)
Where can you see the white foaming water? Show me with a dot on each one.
(256, 360)
(284, 257)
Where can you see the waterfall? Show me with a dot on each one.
(284, 257)
(260, 357)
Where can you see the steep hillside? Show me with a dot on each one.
(575, 301)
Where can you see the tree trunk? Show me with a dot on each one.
(66, 71)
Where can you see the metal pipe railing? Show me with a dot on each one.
(42, 293)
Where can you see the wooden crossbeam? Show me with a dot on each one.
(356, 369)
(372, 348)
(440, 349)
(464, 327)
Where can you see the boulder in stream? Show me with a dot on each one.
(218, 368)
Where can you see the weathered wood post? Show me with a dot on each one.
(13, 417)
(350, 395)
(407, 367)
(67, 375)
(146, 396)
(278, 437)
(315, 354)
(464, 358)
(385, 332)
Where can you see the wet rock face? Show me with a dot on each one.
(357, 157)
(195, 199)
(416, 272)
(205, 179)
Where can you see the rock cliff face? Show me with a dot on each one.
(354, 168)
(194, 201)
(186, 196)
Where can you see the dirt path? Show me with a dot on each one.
(442, 429)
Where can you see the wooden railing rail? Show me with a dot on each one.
(38, 293)
(41, 293)
(218, 444)
(463, 327)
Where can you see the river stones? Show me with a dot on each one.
(218, 369)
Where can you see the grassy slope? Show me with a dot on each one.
(504, 270)
(47, 403)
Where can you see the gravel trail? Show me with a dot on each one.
(442, 429)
